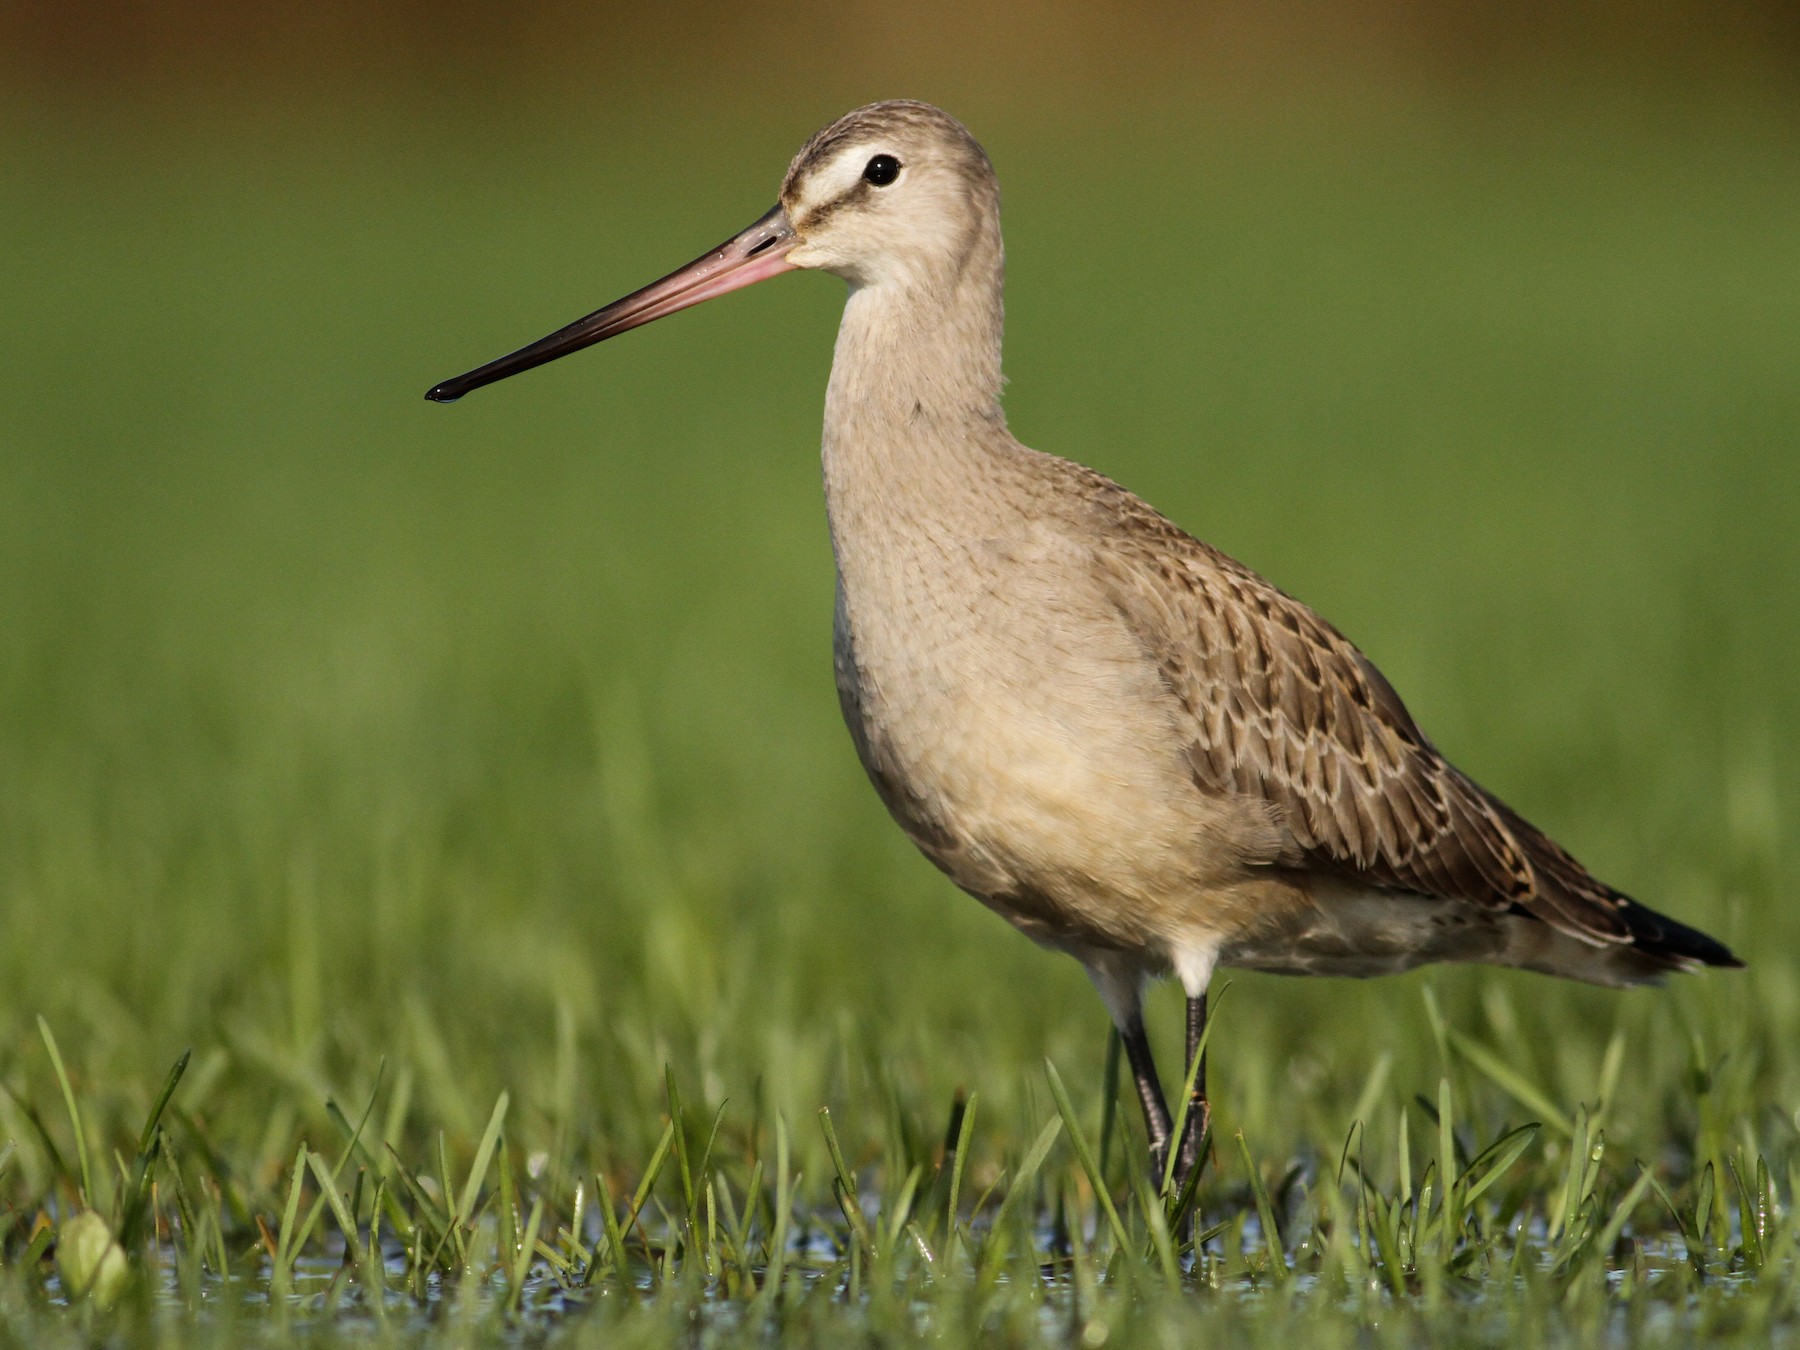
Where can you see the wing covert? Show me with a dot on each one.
(1280, 705)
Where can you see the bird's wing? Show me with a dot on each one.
(1279, 705)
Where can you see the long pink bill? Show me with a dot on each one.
(755, 255)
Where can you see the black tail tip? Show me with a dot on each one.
(1660, 936)
(1696, 948)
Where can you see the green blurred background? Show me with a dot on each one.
(499, 740)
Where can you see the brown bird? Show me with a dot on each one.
(1132, 747)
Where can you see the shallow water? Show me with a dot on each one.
(328, 1295)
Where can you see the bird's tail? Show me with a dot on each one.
(1671, 942)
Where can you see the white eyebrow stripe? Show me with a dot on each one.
(841, 174)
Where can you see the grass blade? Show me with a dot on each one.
(1265, 1213)
(614, 1235)
(1085, 1156)
(1109, 1102)
(137, 1185)
(785, 1184)
(521, 1266)
(68, 1092)
(346, 1221)
(1492, 1162)
(952, 1216)
(148, 1136)
(843, 1186)
(282, 1276)
(1021, 1182)
(1621, 1215)
(1513, 1083)
(484, 1155)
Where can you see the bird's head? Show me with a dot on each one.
(894, 193)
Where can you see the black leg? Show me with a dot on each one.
(1157, 1123)
(1199, 1113)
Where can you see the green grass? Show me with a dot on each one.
(469, 783)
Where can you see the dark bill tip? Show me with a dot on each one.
(747, 257)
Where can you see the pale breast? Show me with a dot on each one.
(1017, 731)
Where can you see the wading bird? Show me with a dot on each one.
(1129, 745)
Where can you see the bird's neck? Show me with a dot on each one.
(915, 379)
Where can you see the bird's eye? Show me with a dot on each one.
(881, 170)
